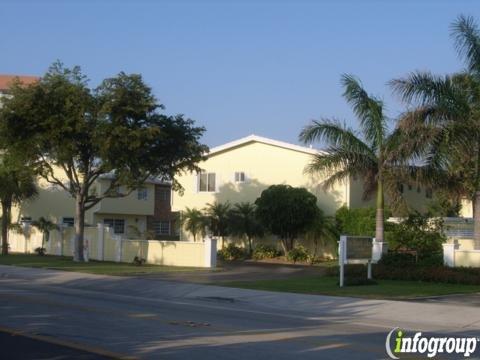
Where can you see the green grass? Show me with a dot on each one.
(384, 289)
(92, 267)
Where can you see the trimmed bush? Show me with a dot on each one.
(438, 274)
(398, 259)
(265, 252)
(231, 252)
(298, 253)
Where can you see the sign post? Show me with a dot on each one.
(354, 250)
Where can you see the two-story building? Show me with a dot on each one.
(145, 212)
(240, 170)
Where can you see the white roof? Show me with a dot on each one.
(263, 140)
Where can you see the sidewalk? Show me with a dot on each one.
(418, 315)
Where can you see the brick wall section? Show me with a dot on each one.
(162, 208)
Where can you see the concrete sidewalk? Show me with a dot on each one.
(422, 316)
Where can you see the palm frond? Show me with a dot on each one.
(334, 134)
(368, 109)
(466, 36)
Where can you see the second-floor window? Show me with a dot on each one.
(206, 182)
(142, 194)
(164, 195)
(239, 177)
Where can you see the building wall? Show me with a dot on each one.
(415, 197)
(264, 165)
(129, 204)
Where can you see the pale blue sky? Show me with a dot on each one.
(238, 67)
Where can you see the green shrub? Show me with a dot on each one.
(298, 253)
(431, 260)
(420, 233)
(265, 252)
(438, 274)
(398, 259)
(231, 252)
(359, 221)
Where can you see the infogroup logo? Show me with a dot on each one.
(429, 346)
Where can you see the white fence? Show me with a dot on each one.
(101, 244)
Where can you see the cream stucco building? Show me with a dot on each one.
(240, 170)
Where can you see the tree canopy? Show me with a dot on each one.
(115, 131)
(287, 212)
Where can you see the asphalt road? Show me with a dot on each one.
(118, 323)
(15, 346)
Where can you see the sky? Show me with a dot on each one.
(238, 67)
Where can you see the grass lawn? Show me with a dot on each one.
(92, 267)
(385, 289)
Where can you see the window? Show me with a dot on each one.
(142, 194)
(118, 225)
(239, 177)
(68, 221)
(410, 187)
(428, 193)
(206, 182)
(163, 195)
(162, 228)
(26, 219)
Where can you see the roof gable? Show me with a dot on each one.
(263, 140)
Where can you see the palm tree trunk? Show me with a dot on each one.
(79, 229)
(476, 221)
(5, 226)
(379, 218)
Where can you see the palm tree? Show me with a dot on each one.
(371, 156)
(218, 216)
(44, 226)
(244, 223)
(445, 120)
(195, 222)
(322, 232)
(17, 184)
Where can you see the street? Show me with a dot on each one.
(120, 317)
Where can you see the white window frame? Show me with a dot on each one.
(113, 223)
(239, 177)
(158, 227)
(142, 194)
(208, 187)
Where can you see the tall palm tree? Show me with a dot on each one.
(194, 221)
(372, 156)
(445, 118)
(244, 223)
(17, 184)
(45, 227)
(218, 217)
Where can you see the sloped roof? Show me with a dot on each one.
(7, 80)
(263, 140)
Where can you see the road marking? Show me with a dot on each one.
(67, 343)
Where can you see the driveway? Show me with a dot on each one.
(239, 271)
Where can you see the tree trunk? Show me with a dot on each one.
(5, 225)
(250, 248)
(79, 229)
(379, 218)
(476, 221)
